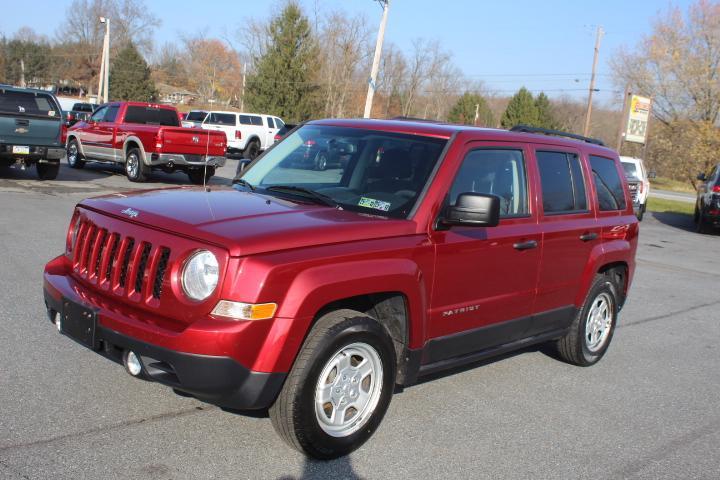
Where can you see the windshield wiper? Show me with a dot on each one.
(305, 192)
(244, 183)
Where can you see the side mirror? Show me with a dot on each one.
(701, 177)
(473, 210)
(652, 175)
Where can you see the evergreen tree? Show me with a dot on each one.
(521, 110)
(464, 111)
(282, 83)
(546, 119)
(130, 77)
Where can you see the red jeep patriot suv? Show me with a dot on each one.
(315, 292)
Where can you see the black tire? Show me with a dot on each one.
(252, 150)
(135, 167)
(294, 414)
(321, 161)
(640, 213)
(701, 225)
(74, 157)
(575, 347)
(200, 176)
(696, 215)
(47, 171)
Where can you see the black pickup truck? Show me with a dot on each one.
(30, 130)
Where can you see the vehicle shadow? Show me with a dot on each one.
(681, 221)
(315, 469)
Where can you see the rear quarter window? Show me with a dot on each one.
(608, 185)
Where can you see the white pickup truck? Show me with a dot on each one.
(247, 133)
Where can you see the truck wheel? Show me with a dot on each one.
(74, 157)
(339, 388)
(701, 225)
(135, 168)
(252, 150)
(590, 333)
(47, 171)
(641, 212)
(321, 161)
(200, 176)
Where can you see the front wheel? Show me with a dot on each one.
(252, 150)
(339, 388)
(74, 157)
(135, 168)
(590, 333)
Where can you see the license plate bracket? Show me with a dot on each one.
(79, 323)
(21, 150)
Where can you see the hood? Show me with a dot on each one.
(244, 223)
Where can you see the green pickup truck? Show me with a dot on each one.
(30, 130)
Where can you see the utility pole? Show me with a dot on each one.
(598, 36)
(242, 95)
(477, 113)
(624, 119)
(104, 64)
(376, 59)
(22, 73)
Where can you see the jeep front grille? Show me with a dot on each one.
(124, 265)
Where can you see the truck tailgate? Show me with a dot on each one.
(29, 118)
(193, 141)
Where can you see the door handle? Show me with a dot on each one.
(525, 245)
(586, 237)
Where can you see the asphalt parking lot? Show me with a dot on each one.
(648, 410)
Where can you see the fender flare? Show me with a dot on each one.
(616, 251)
(313, 289)
(71, 136)
(137, 141)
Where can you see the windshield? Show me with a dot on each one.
(362, 170)
(630, 170)
(196, 116)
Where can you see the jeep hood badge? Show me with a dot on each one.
(130, 212)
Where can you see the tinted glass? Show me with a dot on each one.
(111, 114)
(610, 193)
(368, 171)
(499, 172)
(28, 103)
(222, 119)
(630, 170)
(270, 122)
(83, 107)
(99, 114)
(196, 116)
(279, 123)
(152, 116)
(563, 188)
(257, 121)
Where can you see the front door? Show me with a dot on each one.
(485, 277)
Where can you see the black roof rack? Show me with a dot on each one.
(557, 133)
(415, 119)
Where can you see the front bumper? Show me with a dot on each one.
(158, 159)
(215, 379)
(36, 152)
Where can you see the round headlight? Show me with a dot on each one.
(200, 275)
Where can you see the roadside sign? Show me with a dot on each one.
(637, 120)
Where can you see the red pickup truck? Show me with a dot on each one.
(314, 292)
(143, 137)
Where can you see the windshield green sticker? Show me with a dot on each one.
(372, 203)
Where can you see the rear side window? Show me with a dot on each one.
(563, 188)
(151, 116)
(279, 123)
(498, 172)
(270, 122)
(610, 193)
(222, 119)
(28, 103)
(251, 120)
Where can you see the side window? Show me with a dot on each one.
(111, 114)
(563, 187)
(497, 171)
(610, 193)
(279, 123)
(99, 114)
(257, 121)
(245, 120)
(270, 122)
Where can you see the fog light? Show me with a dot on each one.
(132, 363)
(244, 311)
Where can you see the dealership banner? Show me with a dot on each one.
(638, 117)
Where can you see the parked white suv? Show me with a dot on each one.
(247, 133)
(635, 169)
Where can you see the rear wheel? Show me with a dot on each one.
(339, 388)
(252, 150)
(321, 161)
(701, 225)
(74, 157)
(591, 332)
(47, 171)
(135, 168)
(200, 176)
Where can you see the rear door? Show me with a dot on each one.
(29, 118)
(270, 131)
(485, 277)
(570, 231)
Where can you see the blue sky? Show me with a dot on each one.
(543, 45)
